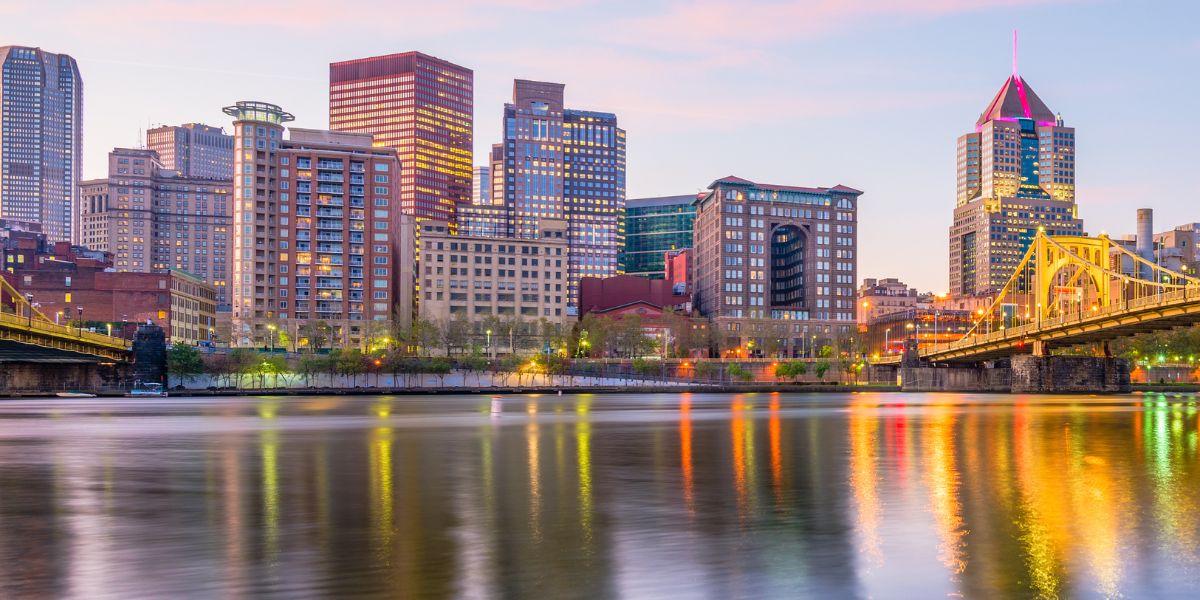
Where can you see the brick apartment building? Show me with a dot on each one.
(776, 257)
(317, 228)
(179, 302)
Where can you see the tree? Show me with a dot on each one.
(242, 361)
(825, 351)
(315, 334)
(822, 367)
(350, 363)
(705, 369)
(184, 362)
(223, 332)
(309, 366)
(273, 365)
(438, 366)
(217, 366)
(740, 372)
(425, 335)
(474, 364)
(456, 332)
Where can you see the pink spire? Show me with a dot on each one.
(1014, 54)
(1018, 82)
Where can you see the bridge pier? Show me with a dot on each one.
(1070, 374)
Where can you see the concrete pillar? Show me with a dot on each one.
(150, 354)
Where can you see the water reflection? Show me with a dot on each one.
(690, 496)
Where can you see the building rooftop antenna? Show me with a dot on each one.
(1014, 54)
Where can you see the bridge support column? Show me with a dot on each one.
(1040, 349)
(1069, 374)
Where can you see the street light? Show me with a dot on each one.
(272, 328)
(29, 306)
(80, 309)
(489, 343)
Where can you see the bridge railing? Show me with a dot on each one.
(63, 331)
(1164, 299)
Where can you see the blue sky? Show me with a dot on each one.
(866, 93)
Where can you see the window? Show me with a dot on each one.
(381, 167)
(381, 179)
(67, 282)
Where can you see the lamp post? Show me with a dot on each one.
(124, 326)
(489, 343)
(109, 325)
(272, 334)
(887, 348)
(80, 309)
(29, 307)
(936, 315)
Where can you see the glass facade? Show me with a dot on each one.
(653, 227)
(421, 106)
(42, 133)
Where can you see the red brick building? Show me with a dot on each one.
(179, 302)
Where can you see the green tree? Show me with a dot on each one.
(705, 369)
(184, 362)
(350, 363)
(825, 352)
(274, 366)
(243, 361)
(310, 365)
(822, 367)
(739, 372)
(425, 336)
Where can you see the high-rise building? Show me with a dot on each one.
(194, 150)
(316, 232)
(654, 227)
(41, 130)
(153, 219)
(558, 164)
(422, 107)
(481, 186)
(775, 265)
(1016, 174)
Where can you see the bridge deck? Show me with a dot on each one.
(41, 333)
(1169, 310)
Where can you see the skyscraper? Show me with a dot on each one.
(41, 103)
(481, 186)
(194, 150)
(1016, 174)
(422, 107)
(558, 164)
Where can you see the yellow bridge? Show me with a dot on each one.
(1065, 293)
(35, 328)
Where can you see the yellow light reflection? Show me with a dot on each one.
(863, 480)
(685, 453)
(942, 479)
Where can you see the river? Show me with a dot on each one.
(856, 495)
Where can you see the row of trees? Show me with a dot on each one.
(244, 367)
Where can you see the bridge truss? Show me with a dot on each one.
(1067, 291)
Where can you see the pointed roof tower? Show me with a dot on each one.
(1016, 100)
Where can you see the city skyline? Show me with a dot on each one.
(921, 75)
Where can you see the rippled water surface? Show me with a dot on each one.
(619, 496)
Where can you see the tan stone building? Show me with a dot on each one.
(479, 276)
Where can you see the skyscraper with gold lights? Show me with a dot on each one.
(1016, 174)
(422, 107)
